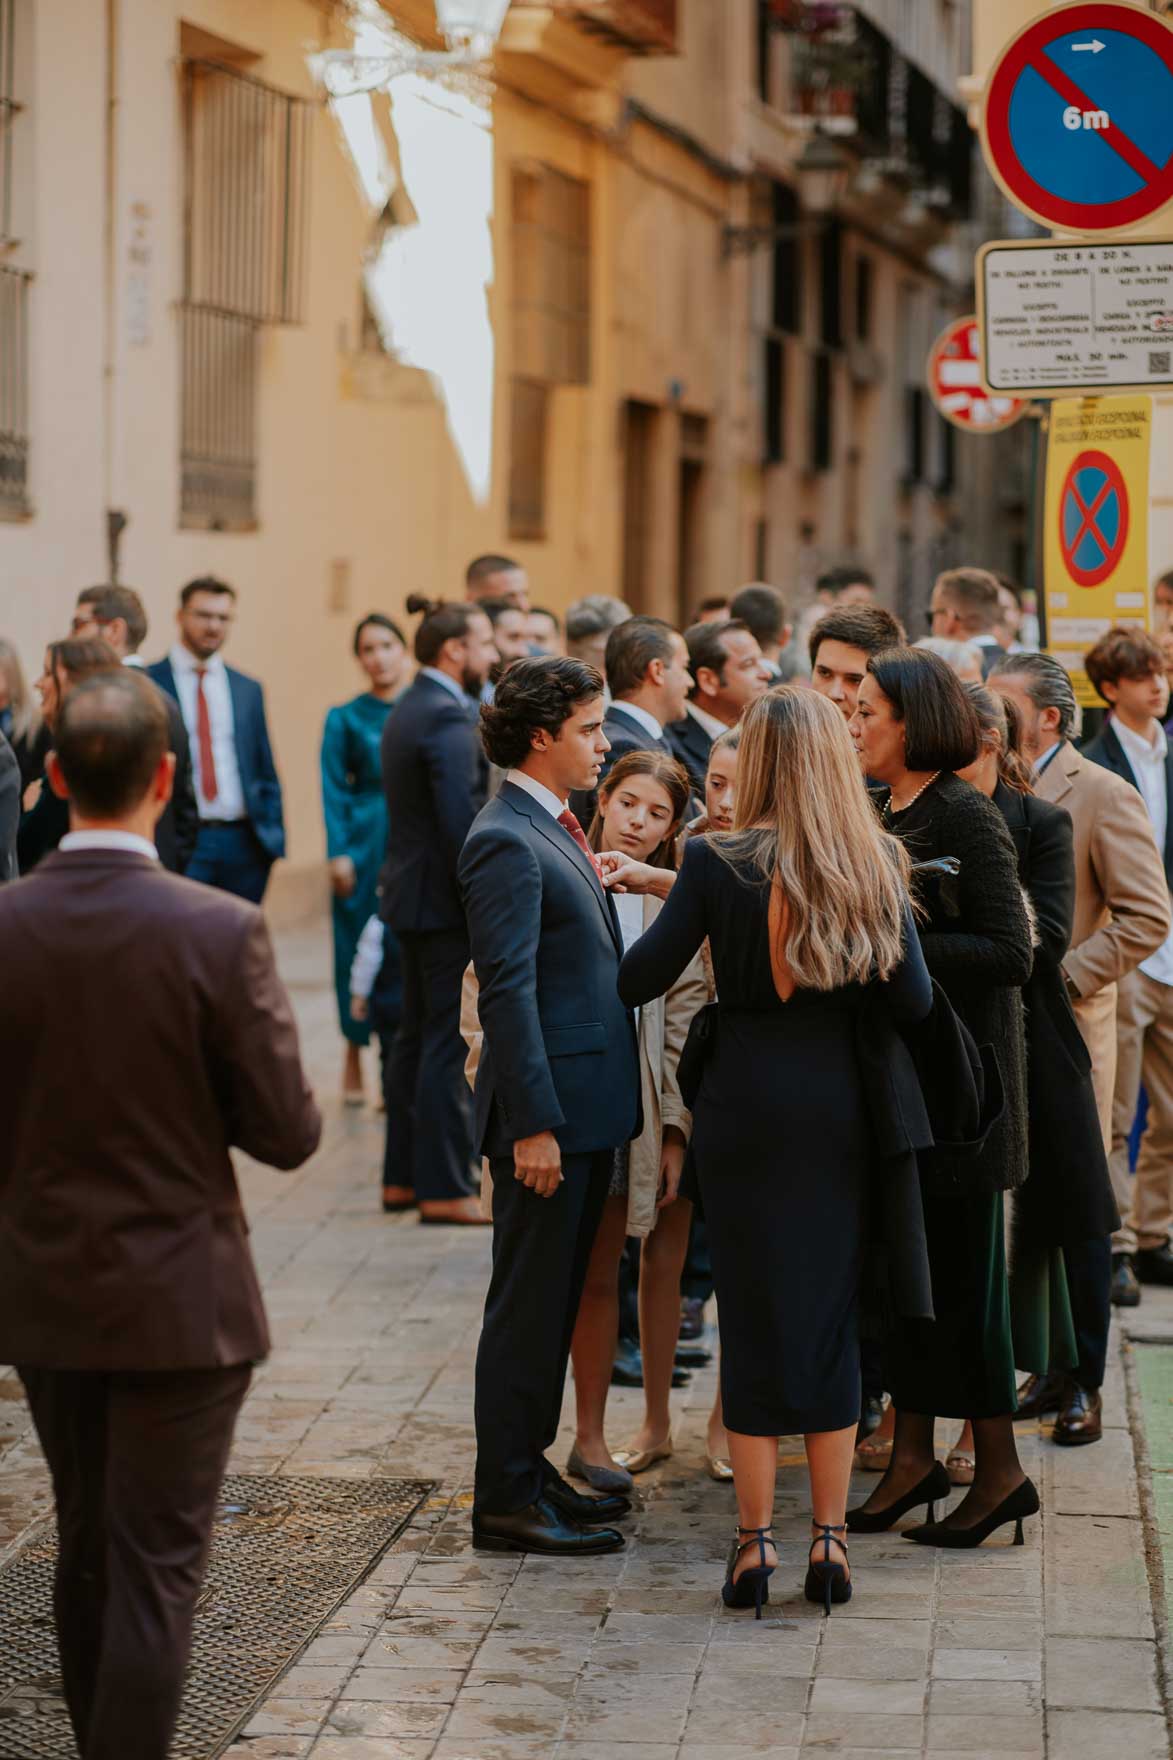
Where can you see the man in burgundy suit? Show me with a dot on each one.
(144, 1032)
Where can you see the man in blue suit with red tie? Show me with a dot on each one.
(238, 793)
(557, 1091)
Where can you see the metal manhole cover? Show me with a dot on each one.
(285, 1554)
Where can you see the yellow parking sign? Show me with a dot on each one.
(1096, 542)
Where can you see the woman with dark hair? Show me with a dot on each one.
(356, 814)
(806, 908)
(45, 819)
(914, 728)
(1068, 1197)
(641, 808)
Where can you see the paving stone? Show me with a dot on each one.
(1101, 1674)
(985, 1698)
(987, 1665)
(486, 1723)
(970, 1732)
(404, 1720)
(707, 1731)
(836, 1732)
(873, 1698)
(1092, 1735)
(287, 1717)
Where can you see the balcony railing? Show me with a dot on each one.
(844, 67)
(647, 27)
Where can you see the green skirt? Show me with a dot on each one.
(1041, 1321)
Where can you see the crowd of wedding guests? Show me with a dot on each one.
(786, 961)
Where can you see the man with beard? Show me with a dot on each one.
(434, 775)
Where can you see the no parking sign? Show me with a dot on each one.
(1095, 551)
(1077, 124)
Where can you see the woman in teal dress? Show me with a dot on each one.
(356, 814)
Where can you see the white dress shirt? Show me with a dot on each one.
(538, 791)
(647, 721)
(229, 802)
(711, 725)
(1047, 757)
(1148, 758)
(127, 840)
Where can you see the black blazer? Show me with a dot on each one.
(560, 1049)
(692, 745)
(435, 783)
(1068, 1197)
(9, 809)
(626, 735)
(1107, 751)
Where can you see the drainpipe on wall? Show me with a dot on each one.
(115, 521)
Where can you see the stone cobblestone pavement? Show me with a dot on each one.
(446, 1655)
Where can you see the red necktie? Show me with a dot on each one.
(208, 786)
(569, 823)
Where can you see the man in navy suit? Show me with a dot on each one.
(1126, 666)
(435, 778)
(729, 673)
(557, 1091)
(238, 793)
(649, 681)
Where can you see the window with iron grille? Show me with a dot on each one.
(831, 284)
(247, 152)
(774, 400)
(14, 392)
(822, 411)
(786, 210)
(551, 277)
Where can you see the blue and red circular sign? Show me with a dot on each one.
(1077, 124)
(1093, 518)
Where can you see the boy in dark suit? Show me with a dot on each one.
(557, 1091)
(238, 793)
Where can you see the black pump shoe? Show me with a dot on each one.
(826, 1578)
(1022, 1502)
(752, 1588)
(933, 1487)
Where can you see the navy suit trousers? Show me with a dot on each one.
(429, 1107)
(541, 1248)
(229, 856)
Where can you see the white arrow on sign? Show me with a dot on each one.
(1094, 46)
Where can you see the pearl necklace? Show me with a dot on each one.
(892, 810)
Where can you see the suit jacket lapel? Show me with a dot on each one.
(1117, 756)
(565, 844)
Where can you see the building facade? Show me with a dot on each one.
(589, 313)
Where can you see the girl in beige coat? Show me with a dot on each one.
(642, 807)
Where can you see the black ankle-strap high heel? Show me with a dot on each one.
(826, 1578)
(933, 1488)
(752, 1587)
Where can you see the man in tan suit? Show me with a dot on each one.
(144, 1032)
(1122, 915)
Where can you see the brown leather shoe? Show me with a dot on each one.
(443, 1212)
(1040, 1394)
(1081, 1418)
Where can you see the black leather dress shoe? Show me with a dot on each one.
(540, 1527)
(1154, 1264)
(1125, 1288)
(577, 1508)
(1081, 1419)
(693, 1356)
(1040, 1394)
(628, 1368)
(870, 1416)
(692, 1318)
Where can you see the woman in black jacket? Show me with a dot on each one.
(914, 727)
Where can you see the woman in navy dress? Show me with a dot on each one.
(356, 813)
(806, 909)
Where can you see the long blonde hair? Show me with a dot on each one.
(20, 698)
(804, 821)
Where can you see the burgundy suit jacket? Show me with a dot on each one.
(143, 1032)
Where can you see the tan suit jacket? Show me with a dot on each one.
(144, 1031)
(1121, 901)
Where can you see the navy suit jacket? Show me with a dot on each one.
(692, 745)
(9, 809)
(254, 754)
(435, 781)
(560, 1048)
(626, 735)
(1107, 751)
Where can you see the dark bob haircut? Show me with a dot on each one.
(540, 693)
(941, 726)
(378, 620)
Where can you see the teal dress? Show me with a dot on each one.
(356, 826)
